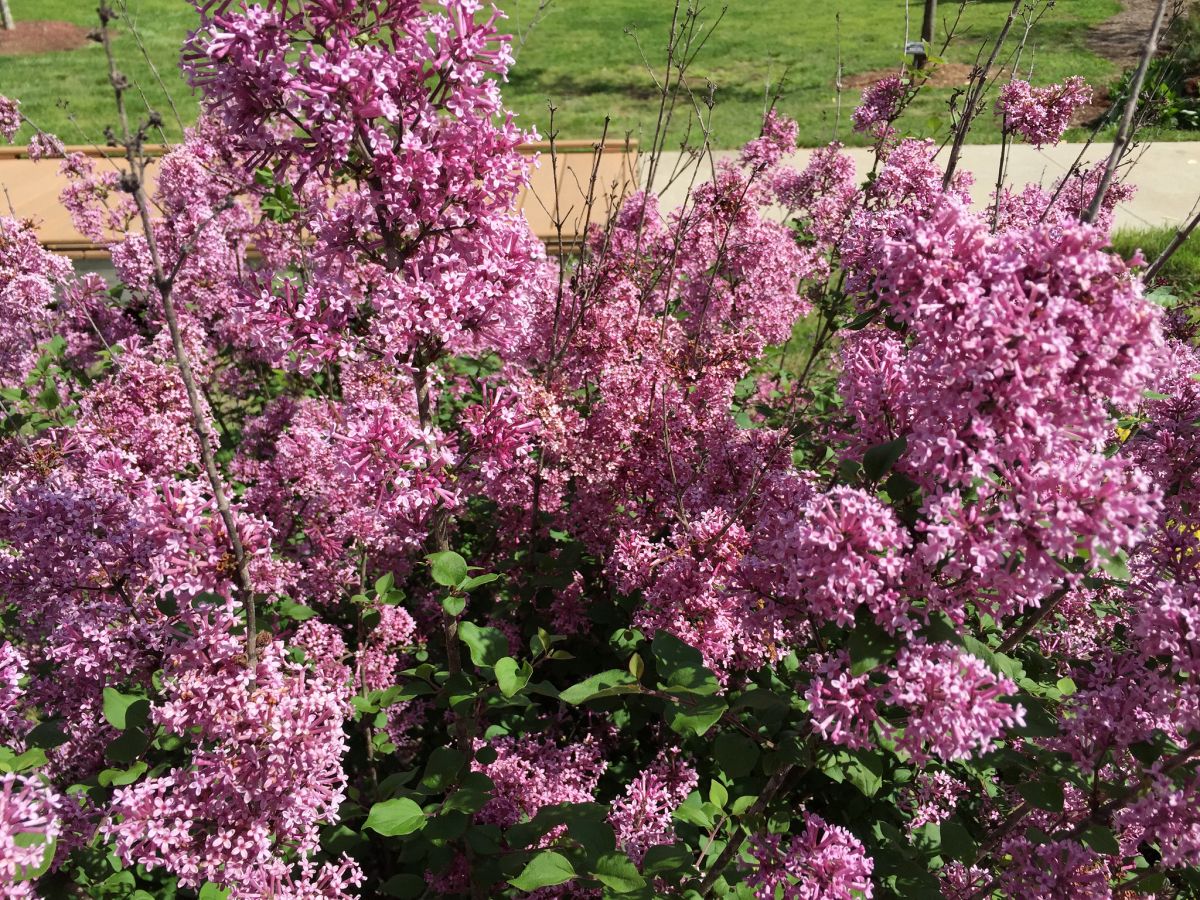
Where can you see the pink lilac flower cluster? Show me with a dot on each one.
(530, 773)
(934, 798)
(10, 117)
(879, 107)
(29, 826)
(1041, 114)
(841, 704)
(778, 139)
(13, 670)
(642, 816)
(266, 770)
(402, 370)
(30, 278)
(821, 862)
(953, 702)
(976, 397)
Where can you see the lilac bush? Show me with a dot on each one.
(352, 546)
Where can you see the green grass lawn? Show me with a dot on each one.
(68, 94)
(1182, 270)
(580, 57)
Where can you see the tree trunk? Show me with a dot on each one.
(927, 24)
(6, 19)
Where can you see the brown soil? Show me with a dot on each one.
(943, 75)
(29, 38)
(1120, 39)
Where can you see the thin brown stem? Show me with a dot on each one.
(773, 787)
(979, 81)
(1180, 238)
(1125, 130)
(134, 182)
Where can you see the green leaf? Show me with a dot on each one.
(666, 858)
(862, 320)
(736, 754)
(385, 584)
(448, 568)
(454, 605)
(606, 684)
(408, 887)
(478, 581)
(544, 870)
(395, 817)
(637, 666)
(681, 667)
(47, 735)
(869, 647)
(696, 717)
(1047, 795)
(27, 839)
(693, 812)
(297, 612)
(117, 708)
(487, 645)
(1115, 565)
(718, 794)
(128, 747)
(865, 771)
(122, 777)
(1066, 686)
(615, 871)
(880, 459)
(957, 842)
(1102, 840)
(511, 677)
(30, 759)
(212, 891)
(472, 795)
(442, 769)
(741, 804)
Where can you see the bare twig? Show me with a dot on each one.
(134, 182)
(1125, 131)
(974, 100)
(523, 33)
(1180, 238)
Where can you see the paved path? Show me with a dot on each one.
(1167, 175)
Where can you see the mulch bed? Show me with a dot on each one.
(941, 75)
(30, 38)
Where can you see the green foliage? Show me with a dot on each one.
(580, 56)
(1182, 271)
(398, 816)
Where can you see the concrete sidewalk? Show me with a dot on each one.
(1167, 175)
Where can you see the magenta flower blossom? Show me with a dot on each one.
(265, 771)
(13, 669)
(933, 798)
(43, 146)
(822, 862)
(841, 704)
(879, 107)
(385, 363)
(1041, 115)
(778, 139)
(10, 117)
(530, 773)
(642, 816)
(952, 700)
(29, 826)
